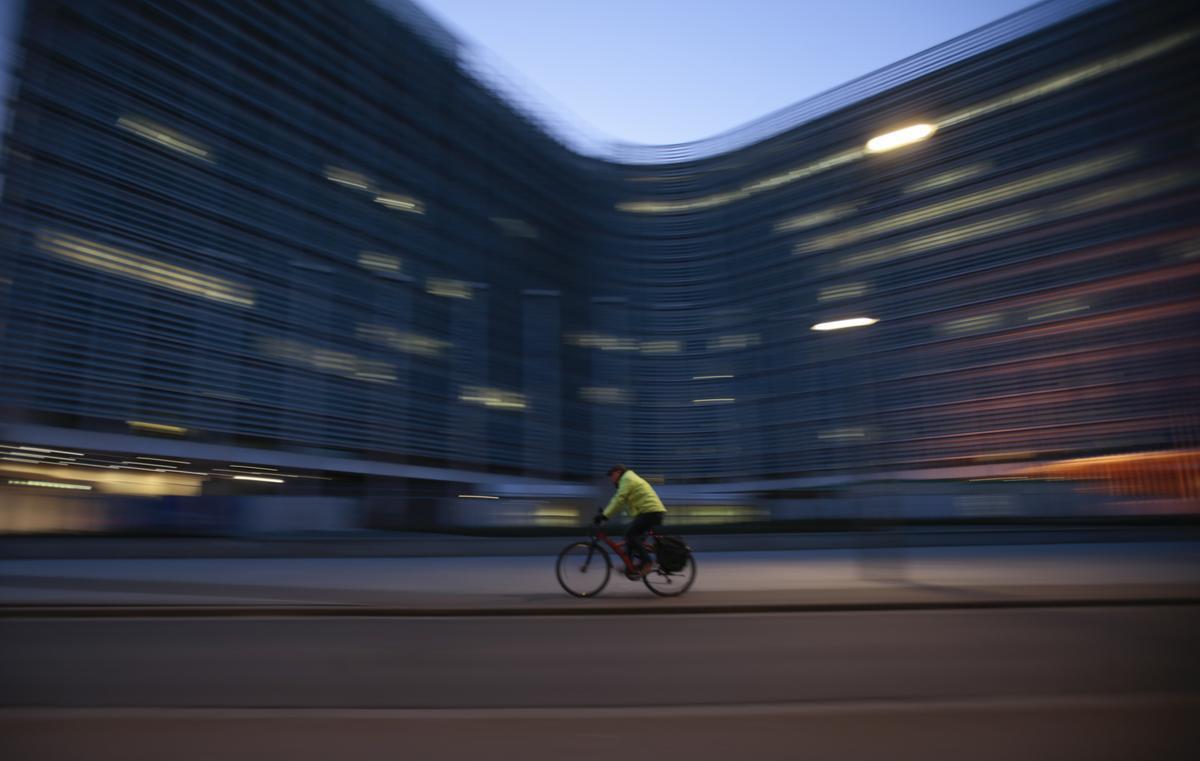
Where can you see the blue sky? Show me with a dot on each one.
(670, 71)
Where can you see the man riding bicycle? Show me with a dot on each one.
(642, 504)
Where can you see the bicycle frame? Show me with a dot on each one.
(619, 547)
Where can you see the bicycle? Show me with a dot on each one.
(583, 568)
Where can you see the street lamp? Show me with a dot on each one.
(888, 545)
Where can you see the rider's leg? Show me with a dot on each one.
(636, 534)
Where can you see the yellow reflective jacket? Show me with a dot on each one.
(635, 495)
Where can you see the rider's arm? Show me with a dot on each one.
(620, 498)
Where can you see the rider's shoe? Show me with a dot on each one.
(644, 571)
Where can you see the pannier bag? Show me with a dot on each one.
(672, 553)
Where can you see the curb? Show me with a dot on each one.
(355, 611)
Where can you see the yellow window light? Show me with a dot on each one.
(141, 425)
(348, 178)
(49, 484)
(400, 203)
(815, 218)
(604, 395)
(852, 322)
(662, 347)
(842, 434)
(118, 479)
(846, 291)
(137, 267)
(377, 262)
(48, 451)
(410, 343)
(328, 361)
(1057, 309)
(901, 137)
(494, 398)
(734, 341)
(448, 288)
(974, 324)
(946, 179)
(167, 138)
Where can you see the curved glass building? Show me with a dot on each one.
(306, 237)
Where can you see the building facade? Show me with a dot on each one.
(262, 230)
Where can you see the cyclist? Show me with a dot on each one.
(642, 504)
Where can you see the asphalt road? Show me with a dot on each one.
(1066, 683)
(542, 662)
(1062, 730)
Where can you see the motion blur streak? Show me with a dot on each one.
(163, 136)
(333, 338)
(915, 133)
(1062, 176)
(899, 138)
(311, 236)
(116, 261)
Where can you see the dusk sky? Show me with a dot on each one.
(669, 71)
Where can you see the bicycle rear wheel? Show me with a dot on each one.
(583, 569)
(672, 583)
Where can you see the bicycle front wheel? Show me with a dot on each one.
(583, 569)
(672, 583)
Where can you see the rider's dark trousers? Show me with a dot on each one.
(636, 532)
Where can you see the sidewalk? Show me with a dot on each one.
(763, 581)
(372, 544)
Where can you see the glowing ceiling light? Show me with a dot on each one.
(891, 140)
(853, 322)
(258, 478)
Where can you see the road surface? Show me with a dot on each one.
(1100, 682)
